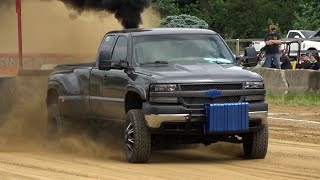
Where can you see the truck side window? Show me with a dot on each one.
(120, 49)
(293, 34)
(317, 35)
(106, 48)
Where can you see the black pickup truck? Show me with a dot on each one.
(170, 85)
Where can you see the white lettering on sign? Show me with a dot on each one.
(8, 62)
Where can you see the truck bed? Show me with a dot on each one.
(73, 66)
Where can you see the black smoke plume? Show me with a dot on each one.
(128, 12)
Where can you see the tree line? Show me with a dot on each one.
(246, 19)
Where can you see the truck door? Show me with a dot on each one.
(96, 77)
(112, 84)
(115, 81)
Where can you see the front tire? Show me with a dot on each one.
(255, 145)
(137, 137)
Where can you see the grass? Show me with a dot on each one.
(306, 99)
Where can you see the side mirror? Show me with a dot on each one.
(250, 57)
(122, 64)
(107, 65)
(104, 65)
(296, 37)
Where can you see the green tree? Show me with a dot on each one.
(177, 7)
(249, 19)
(242, 19)
(184, 21)
(309, 15)
(167, 7)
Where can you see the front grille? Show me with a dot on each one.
(204, 87)
(203, 100)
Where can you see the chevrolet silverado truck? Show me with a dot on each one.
(168, 85)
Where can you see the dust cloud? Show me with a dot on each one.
(24, 128)
(5, 4)
(51, 27)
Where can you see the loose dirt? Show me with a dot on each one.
(294, 153)
(294, 147)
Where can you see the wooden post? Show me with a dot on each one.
(238, 47)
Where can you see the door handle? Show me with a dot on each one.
(105, 77)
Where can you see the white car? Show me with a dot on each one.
(305, 44)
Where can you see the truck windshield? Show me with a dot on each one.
(308, 34)
(174, 48)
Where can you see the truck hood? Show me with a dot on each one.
(195, 72)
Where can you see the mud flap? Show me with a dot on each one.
(225, 118)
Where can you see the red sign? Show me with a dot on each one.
(9, 63)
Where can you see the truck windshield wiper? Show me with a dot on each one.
(155, 62)
(223, 63)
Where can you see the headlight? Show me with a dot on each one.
(254, 85)
(163, 88)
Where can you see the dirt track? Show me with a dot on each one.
(294, 153)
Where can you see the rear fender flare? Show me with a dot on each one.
(54, 85)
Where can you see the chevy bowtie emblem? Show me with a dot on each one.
(213, 93)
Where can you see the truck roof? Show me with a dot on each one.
(155, 31)
(306, 33)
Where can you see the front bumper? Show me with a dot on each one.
(155, 120)
(159, 116)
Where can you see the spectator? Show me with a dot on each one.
(284, 60)
(273, 40)
(304, 62)
(315, 65)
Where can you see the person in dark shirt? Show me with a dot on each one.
(315, 65)
(304, 62)
(285, 61)
(273, 40)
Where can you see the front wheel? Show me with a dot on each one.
(137, 137)
(255, 145)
